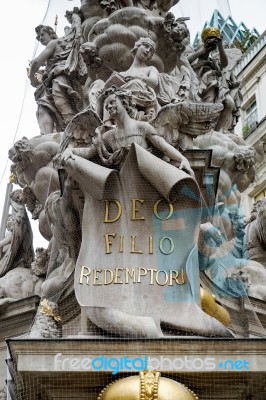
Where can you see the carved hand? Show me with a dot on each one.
(68, 154)
(186, 166)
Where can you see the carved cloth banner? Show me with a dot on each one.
(157, 230)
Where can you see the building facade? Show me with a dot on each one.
(251, 72)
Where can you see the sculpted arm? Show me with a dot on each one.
(169, 151)
(41, 59)
(86, 152)
(197, 54)
(7, 239)
(223, 55)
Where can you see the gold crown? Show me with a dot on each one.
(146, 386)
(210, 32)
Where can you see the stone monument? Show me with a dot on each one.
(136, 180)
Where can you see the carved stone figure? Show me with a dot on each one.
(40, 264)
(19, 283)
(236, 162)
(113, 145)
(234, 275)
(27, 197)
(115, 193)
(16, 248)
(255, 234)
(55, 109)
(34, 171)
(116, 147)
(74, 64)
(215, 84)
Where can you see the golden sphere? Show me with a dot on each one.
(210, 32)
(145, 387)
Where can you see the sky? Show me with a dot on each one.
(19, 46)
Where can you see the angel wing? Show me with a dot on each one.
(187, 119)
(80, 130)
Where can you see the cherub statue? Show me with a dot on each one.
(210, 72)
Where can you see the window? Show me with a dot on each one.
(251, 119)
(260, 195)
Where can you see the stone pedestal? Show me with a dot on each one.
(16, 319)
(226, 369)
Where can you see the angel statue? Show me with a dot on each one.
(113, 145)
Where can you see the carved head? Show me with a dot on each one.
(69, 14)
(45, 33)
(18, 196)
(40, 264)
(244, 158)
(115, 98)
(145, 46)
(179, 31)
(19, 147)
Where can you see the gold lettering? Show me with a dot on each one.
(131, 274)
(150, 244)
(119, 211)
(111, 278)
(117, 276)
(183, 280)
(108, 243)
(135, 210)
(142, 273)
(96, 278)
(133, 246)
(172, 246)
(83, 274)
(152, 270)
(155, 210)
(157, 278)
(174, 275)
(121, 244)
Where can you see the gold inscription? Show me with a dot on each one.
(108, 243)
(135, 210)
(120, 275)
(155, 210)
(133, 249)
(107, 218)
